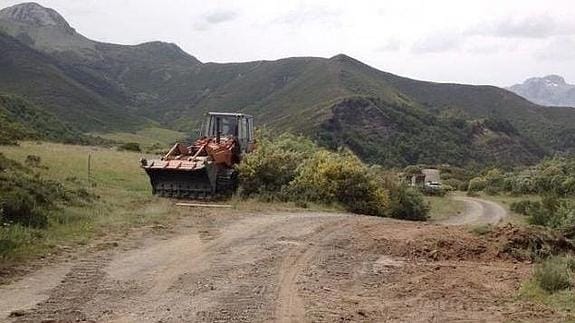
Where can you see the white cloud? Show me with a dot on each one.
(220, 16)
(307, 14)
(438, 42)
(389, 45)
(214, 18)
(558, 49)
(474, 41)
(496, 35)
(532, 26)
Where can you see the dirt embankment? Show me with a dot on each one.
(288, 267)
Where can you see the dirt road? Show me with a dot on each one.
(285, 267)
(477, 211)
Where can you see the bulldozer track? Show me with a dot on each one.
(226, 185)
(75, 290)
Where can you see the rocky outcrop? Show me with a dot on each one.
(35, 15)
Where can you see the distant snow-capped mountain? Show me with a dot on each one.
(551, 90)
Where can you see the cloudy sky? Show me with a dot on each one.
(471, 41)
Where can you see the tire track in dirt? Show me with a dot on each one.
(32, 289)
(261, 290)
(67, 299)
(202, 270)
(290, 304)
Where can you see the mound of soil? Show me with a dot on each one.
(435, 243)
(439, 243)
(530, 243)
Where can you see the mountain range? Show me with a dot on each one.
(551, 90)
(98, 87)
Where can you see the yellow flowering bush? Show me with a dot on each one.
(340, 178)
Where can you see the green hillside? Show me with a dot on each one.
(542, 124)
(21, 120)
(397, 134)
(65, 91)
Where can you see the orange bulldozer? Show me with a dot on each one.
(204, 170)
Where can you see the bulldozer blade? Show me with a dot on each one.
(195, 184)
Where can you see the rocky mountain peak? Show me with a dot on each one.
(549, 80)
(549, 90)
(341, 58)
(555, 79)
(33, 14)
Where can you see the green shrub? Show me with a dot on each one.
(291, 168)
(494, 181)
(33, 161)
(522, 184)
(551, 176)
(481, 229)
(270, 168)
(570, 262)
(19, 206)
(569, 184)
(554, 274)
(130, 146)
(523, 206)
(408, 204)
(340, 178)
(464, 186)
(477, 184)
(551, 212)
(27, 199)
(14, 237)
(538, 216)
(492, 190)
(456, 184)
(6, 164)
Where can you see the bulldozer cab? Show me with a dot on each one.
(238, 125)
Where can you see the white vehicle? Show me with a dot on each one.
(433, 188)
(433, 185)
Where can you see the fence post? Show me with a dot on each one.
(89, 169)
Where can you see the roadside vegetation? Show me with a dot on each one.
(550, 211)
(292, 168)
(553, 284)
(551, 176)
(544, 195)
(27, 199)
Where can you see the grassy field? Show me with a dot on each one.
(124, 197)
(146, 137)
(443, 207)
